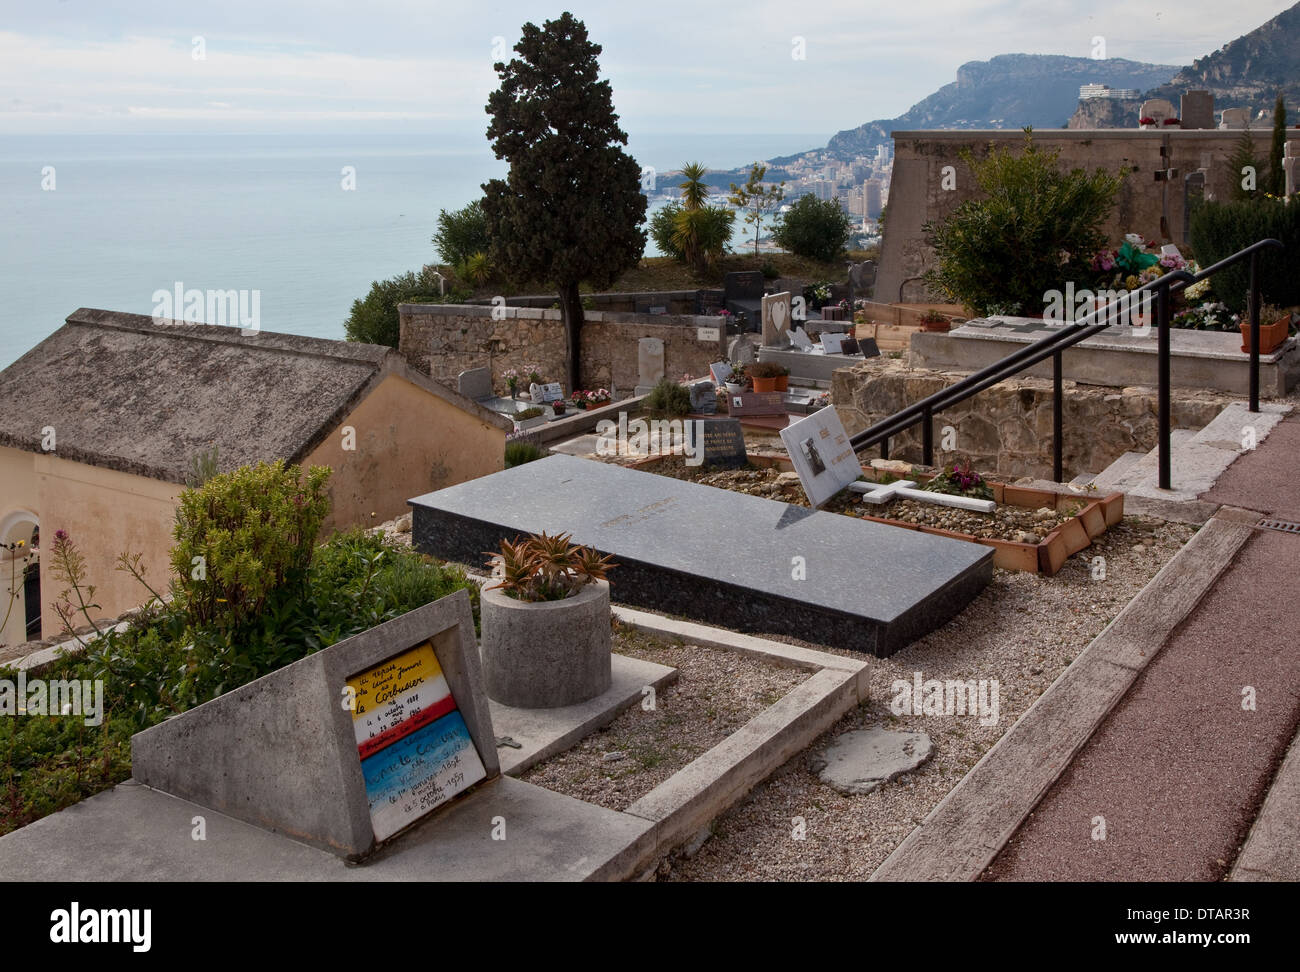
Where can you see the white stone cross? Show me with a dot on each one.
(881, 493)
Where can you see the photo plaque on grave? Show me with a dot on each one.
(415, 749)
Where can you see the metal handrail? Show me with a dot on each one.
(1071, 334)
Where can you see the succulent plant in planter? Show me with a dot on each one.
(546, 632)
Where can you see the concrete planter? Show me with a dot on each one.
(548, 654)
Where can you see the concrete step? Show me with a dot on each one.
(1106, 479)
(1199, 458)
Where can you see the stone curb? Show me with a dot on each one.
(683, 805)
(715, 781)
(962, 835)
(1272, 848)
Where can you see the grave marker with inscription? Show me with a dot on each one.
(724, 444)
(415, 750)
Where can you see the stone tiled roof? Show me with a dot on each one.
(144, 396)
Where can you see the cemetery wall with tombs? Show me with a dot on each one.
(919, 193)
(443, 340)
(1007, 429)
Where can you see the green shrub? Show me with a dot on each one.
(814, 229)
(462, 233)
(528, 413)
(668, 399)
(1032, 229)
(160, 665)
(374, 319)
(243, 535)
(518, 453)
(1220, 229)
(711, 226)
(476, 269)
(769, 270)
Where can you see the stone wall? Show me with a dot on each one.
(1007, 429)
(917, 192)
(443, 340)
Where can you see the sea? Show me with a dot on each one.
(109, 220)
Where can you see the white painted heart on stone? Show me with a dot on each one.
(779, 314)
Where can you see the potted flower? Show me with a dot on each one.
(738, 380)
(1271, 336)
(546, 623)
(1146, 121)
(599, 397)
(1173, 121)
(764, 375)
(511, 375)
(933, 320)
(557, 406)
(783, 379)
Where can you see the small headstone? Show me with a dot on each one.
(724, 444)
(756, 403)
(800, 339)
(720, 372)
(649, 362)
(1159, 109)
(822, 455)
(1235, 118)
(550, 392)
(743, 349)
(868, 348)
(776, 320)
(704, 396)
(850, 346)
(832, 343)
(475, 384)
(863, 760)
(1196, 108)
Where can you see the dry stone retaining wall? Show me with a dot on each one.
(443, 340)
(1007, 429)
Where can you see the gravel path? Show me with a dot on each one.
(716, 693)
(1022, 631)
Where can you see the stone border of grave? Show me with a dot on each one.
(684, 805)
(1045, 557)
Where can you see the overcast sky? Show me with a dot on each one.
(677, 67)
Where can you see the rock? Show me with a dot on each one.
(403, 523)
(1139, 548)
(1025, 537)
(861, 761)
(613, 757)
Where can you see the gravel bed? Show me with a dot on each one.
(1022, 631)
(1005, 523)
(716, 693)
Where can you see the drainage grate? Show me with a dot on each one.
(1284, 526)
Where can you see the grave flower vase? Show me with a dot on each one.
(547, 654)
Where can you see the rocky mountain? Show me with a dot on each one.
(1250, 71)
(1007, 91)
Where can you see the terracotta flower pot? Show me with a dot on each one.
(782, 383)
(1271, 336)
(764, 384)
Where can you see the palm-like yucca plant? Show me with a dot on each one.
(546, 568)
(687, 232)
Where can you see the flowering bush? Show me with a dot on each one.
(1146, 120)
(1211, 316)
(582, 398)
(960, 480)
(511, 375)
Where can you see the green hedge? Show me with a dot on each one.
(1220, 229)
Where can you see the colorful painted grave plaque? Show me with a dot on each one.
(416, 752)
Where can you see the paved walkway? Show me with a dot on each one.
(1179, 769)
